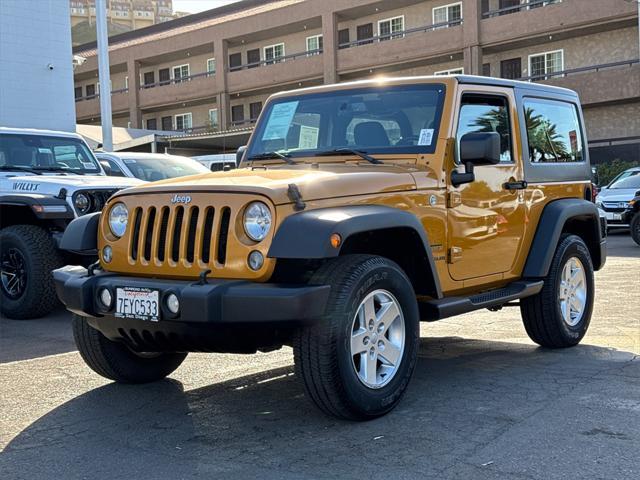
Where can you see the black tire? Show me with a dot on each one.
(322, 355)
(541, 313)
(635, 228)
(115, 361)
(39, 256)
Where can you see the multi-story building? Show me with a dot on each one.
(123, 15)
(214, 70)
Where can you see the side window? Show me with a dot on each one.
(116, 171)
(483, 113)
(553, 131)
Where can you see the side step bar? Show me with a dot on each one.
(451, 306)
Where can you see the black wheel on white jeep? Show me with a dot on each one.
(559, 315)
(27, 257)
(115, 361)
(357, 360)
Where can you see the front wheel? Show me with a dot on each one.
(115, 361)
(356, 362)
(559, 315)
(635, 228)
(27, 257)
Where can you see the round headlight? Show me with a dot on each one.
(257, 221)
(118, 217)
(82, 202)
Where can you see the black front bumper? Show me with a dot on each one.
(211, 314)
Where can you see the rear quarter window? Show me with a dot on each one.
(553, 131)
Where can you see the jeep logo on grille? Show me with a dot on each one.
(180, 199)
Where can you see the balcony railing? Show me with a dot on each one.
(173, 81)
(531, 4)
(592, 68)
(401, 34)
(97, 95)
(271, 61)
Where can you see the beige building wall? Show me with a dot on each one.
(584, 51)
(614, 121)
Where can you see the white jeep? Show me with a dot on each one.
(47, 179)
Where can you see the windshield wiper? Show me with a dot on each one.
(342, 151)
(267, 155)
(57, 169)
(8, 168)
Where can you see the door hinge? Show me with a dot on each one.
(454, 255)
(453, 199)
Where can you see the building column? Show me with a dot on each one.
(221, 54)
(472, 60)
(133, 72)
(330, 47)
(471, 18)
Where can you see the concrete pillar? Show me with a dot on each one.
(221, 53)
(471, 18)
(330, 48)
(472, 60)
(133, 72)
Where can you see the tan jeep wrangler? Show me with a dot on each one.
(362, 209)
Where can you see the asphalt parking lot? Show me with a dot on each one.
(484, 402)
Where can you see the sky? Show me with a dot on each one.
(193, 6)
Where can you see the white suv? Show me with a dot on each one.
(47, 179)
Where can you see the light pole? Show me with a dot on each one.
(103, 75)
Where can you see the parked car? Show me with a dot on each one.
(216, 163)
(614, 198)
(364, 208)
(47, 179)
(149, 167)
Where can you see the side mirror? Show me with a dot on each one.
(476, 149)
(240, 154)
(106, 167)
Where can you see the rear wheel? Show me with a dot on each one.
(27, 257)
(356, 361)
(559, 315)
(635, 228)
(115, 361)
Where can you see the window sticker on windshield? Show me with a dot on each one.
(280, 120)
(88, 165)
(308, 138)
(129, 161)
(426, 136)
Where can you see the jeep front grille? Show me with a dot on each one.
(183, 240)
(180, 233)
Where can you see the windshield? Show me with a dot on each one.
(160, 168)
(632, 181)
(381, 119)
(46, 153)
(625, 174)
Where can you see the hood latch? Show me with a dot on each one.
(293, 192)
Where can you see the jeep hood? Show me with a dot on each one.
(273, 182)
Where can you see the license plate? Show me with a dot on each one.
(613, 216)
(138, 303)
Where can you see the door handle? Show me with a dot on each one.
(521, 185)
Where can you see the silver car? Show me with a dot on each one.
(150, 167)
(614, 198)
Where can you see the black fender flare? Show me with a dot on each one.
(552, 223)
(306, 235)
(81, 235)
(37, 204)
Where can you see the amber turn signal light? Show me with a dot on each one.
(335, 240)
